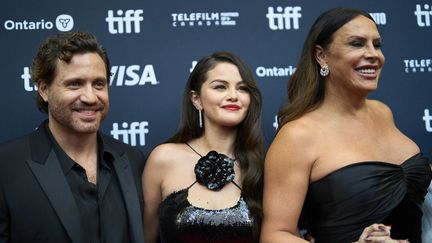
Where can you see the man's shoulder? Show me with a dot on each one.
(13, 152)
(119, 147)
(116, 144)
(37, 136)
(18, 142)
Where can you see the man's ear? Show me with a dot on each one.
(42, 90)
(320, 56)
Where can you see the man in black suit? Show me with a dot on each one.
(66, 181)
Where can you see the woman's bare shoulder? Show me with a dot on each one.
(300, 130)
(296, 142)
(166, 154)
(380, 108)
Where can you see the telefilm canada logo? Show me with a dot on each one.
(423, 65)
(205, 19)
(63, 22)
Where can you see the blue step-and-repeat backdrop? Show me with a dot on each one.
(153, 45)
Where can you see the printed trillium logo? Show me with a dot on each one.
(64, 22)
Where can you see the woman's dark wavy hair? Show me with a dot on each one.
(306, 88)
(62, 47)
(248, 145)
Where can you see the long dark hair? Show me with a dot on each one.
(306, 88)
(248, 144)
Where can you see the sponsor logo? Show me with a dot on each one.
(274, 71)
(125, 21)
(428, 120)
(418, 65)
(133, 75)
(284, 18)
(120, 76)
(276, 122)
(133, 134)
(204, 19)
(380, 18)
(423, 15)
(194, 63)
(63, 22)
(28, 86)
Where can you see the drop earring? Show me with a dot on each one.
(200, 119)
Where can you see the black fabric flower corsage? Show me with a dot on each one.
(214, 170)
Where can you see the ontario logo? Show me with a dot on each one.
(274, 71)
(63, 22)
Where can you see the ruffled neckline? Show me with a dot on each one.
(370, 163)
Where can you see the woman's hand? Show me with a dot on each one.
(378, 233)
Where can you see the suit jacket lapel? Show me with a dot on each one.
(129, 190)
(47, 170)
(55, 186)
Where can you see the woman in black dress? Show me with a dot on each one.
(338, 155)
(205, 183)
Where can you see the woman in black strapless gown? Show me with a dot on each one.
(338, 163)
(205, 183)
(353, 197)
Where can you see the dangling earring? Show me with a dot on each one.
(200, 118)
(324, 71)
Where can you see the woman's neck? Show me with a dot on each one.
(220, 140)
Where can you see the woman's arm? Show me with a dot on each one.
(287, 169)
(151, 183)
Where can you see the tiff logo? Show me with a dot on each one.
(28, 86)
(130, 133)
(284, 18)
(423, 16)
(428, 120)
(123, 22)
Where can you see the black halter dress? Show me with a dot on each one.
(182, 222)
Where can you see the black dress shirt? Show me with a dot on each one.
(101, 205)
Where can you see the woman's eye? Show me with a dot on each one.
(244, 88)
(356, 44)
